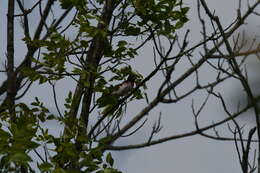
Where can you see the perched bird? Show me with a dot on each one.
(125, 87)
(111, 99)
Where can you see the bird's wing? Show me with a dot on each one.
(123, 89)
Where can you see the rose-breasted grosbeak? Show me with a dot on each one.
(117, 91)
(124, 88)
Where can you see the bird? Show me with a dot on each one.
(125, 87)
(111, 99)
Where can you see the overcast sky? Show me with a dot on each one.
(192, 154)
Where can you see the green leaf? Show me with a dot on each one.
(179, 25)
(43, 79)
(134, 31)
(59, 170)
(45, 166)
(4, 135)
(96, 153)
(92, 168)
(31, 73)
(100, 85)
(84, 43)
(111, 170)
(32, 145)
(65, 4)
(121, 43)
(185, 10)
(108, 170)
(19, 157)
(109, 159)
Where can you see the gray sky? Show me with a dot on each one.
(192, 154)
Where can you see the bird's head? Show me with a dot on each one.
(131, 78)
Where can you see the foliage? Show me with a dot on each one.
(93, 44)
(76, 150)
